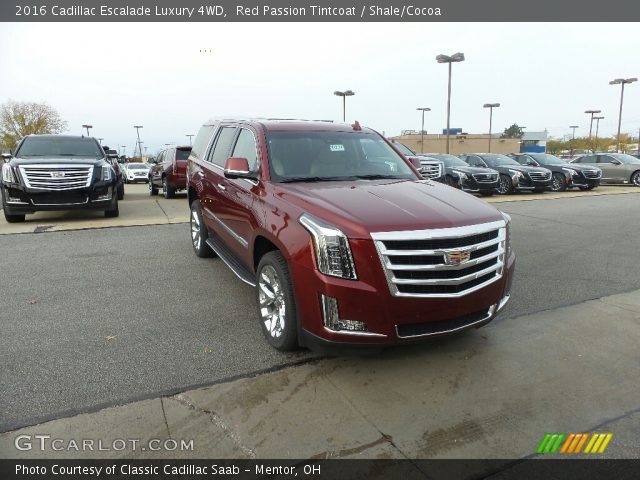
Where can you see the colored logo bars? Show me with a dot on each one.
(574, 443)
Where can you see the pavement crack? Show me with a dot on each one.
(351, 451)
(217, 421)
(164, 415)
(165, 213)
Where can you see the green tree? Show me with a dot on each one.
(555, 146)
(18, 119)
(514, 131)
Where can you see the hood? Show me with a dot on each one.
(472, 170)
(361, 207)
(523, 168)
(16, 161)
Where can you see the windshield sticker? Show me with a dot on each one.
(336, 148)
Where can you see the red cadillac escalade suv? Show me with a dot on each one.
(169, 171)
(342, 239)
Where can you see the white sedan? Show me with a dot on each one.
(136, 172)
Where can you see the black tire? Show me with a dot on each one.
(167, 190)
(280, 301)
(486, 194)
(505, 185)
(538, 190)
(558, 182)
(590, 187)
(635, 178)
(121, 192)
(112, 213)
(153, 190)
(13, 218)
(451, 182)
(199, 232)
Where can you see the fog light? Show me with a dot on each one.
(103, 197)
(331, 317)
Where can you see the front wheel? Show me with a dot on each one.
(505, 186)
(276, 302)
(153, 190)
(590, 187)
(114, 212)
(13, 218)
(558, 182)
(635, 178)
(121, 192)
(451, 182)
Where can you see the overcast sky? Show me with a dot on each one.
(115, 75)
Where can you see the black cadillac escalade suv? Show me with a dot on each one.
(58, 172)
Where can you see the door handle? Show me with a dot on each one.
(200, 174)
(221, 187)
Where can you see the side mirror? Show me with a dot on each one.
(616, 162)
(6, 157)
(238, 167)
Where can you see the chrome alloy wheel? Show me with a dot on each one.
(195, 229)
(272, 303)
(503, 185)
(636, 179)
(556, 183)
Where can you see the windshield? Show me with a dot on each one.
(495, 160)
(137, 166)
(547, 159)
(403, 148)
(448, 160)
(299, 156)
(624, 158)
(84, 147)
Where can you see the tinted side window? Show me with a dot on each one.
(201, 141)
(587, 159)
(604, 159)
(475, 161)
(246, 148)
(223, 146)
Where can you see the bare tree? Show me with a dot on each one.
(18, 119)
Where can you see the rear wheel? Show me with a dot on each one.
(199, 232)
(558, 182)
(590, 187)
(167, 190)
(635, 178)
(121, 192)
(505, 186)
(276, 302)
(486, 194)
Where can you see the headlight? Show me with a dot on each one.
(106, 172)
(333, 253)
(461, 175)
(571, 171)
(515, 174)
(7, 174)
(507, 219)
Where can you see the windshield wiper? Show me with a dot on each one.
(312, 179)
(377, 177)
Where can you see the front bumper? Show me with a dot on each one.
(18, 199)
(470, 185)
(136, 179)
(525, 183)
(390, 319)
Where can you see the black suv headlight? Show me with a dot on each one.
(106, 173)
(333, 253)
(8, 175)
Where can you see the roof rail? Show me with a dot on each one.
(241, 119)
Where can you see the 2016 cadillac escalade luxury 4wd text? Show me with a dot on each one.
(342, 239)
(58, 172)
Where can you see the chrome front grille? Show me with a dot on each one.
(431, 169)
(593, 174)
(56, 177)
(485, 177)
(540, 176)
(443, 263)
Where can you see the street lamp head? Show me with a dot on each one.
(424, 109)
(346, 93)
(137, 126)
(574, 126)
(592, 111)
(456, 57)
(491, 105)
(598, 118)
(618, 81)
(87, 126)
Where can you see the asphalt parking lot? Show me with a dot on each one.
(101, 317)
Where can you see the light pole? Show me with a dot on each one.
(456, 57)
(138, 127)
(622, 82)
(423, 109)
(100, 140)
(87, 127)
(592, 112)
(124, 149)
(344, 95)
(573, 137)
(490, 106)
(190, 139)
(597, 119)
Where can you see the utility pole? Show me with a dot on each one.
(138, 127)
(490, 106)
(456, 57)
(424, 109)
(190, 139)
(622, 82)
(573, 137)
